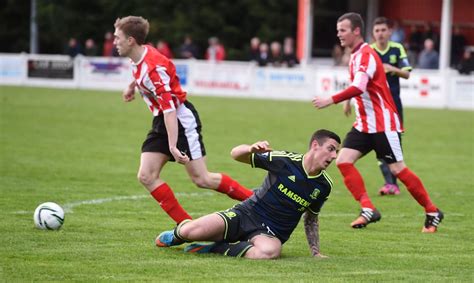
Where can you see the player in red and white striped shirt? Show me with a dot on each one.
(176, 130)
(377, 126)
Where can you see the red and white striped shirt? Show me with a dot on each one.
(375, 108)
(157, 82)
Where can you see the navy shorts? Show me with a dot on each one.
(189, 134)
(387, 145)
(242, 225)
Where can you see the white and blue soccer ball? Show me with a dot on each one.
(49, 216)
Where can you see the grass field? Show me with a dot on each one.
(81, 150)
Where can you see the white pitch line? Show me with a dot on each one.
(70, 205)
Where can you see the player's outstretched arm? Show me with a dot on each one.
(311, 228)
(243, 152)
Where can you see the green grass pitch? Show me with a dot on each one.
(81, 149)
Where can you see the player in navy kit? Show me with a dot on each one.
(396, 65)
(296, 185)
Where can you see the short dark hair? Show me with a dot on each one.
(382, 21)
(355, 19)
(136, 27)
(322, 135)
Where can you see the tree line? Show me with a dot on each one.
(233, 22)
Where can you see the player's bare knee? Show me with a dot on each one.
(394, 172)
(258, 253)
(145, 178)
(200, 182)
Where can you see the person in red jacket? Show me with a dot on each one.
(215, 52)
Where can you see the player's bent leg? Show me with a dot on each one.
(264, 247)
(210, 227)
(237, 249)
(434, 216)
(413, 185)
(151, 164)
(222, 183)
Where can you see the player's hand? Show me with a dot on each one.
(322, 102)
(260, 147)
(179, 156)
(388, 68)
(346, 107)
(128, 94)
(319, 255)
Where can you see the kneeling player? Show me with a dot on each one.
(256, 228)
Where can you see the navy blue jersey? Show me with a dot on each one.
(396, 56)
(286, 192)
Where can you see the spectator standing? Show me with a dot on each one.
(263, 55)
(336, 54)
(458, 43)
(163, 47)
(289, 56)
(276, 57)
(73, 48)
(91, 48)
(466, 65)
(254, 49)
(430, 33)
(429, 57)
(398, 34)
(215, 52)
(415, 44)
(109, 48)
(188, 50)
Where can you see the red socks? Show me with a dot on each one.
(233, 189)
(165, 197)
(416, 189)
(354, 182)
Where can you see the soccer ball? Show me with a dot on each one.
(49, 215)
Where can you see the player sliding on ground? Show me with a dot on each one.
(176, 129)
(296, 184)
(377, 126)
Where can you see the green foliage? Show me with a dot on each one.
(81, 150)
(234, 22)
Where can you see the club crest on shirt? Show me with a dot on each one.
(315, 194)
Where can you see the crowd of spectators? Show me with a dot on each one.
(275, 54)
(421, 43)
